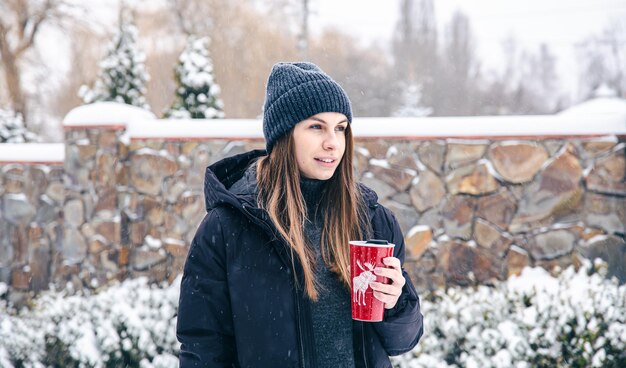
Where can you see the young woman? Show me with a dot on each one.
(267, 278)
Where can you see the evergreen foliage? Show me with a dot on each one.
(123, 74)
(197, 95)
(12, 129)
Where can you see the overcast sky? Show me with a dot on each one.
(558, 23)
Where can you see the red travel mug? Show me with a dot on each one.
(364, 257)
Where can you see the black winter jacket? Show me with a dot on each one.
(238, 303)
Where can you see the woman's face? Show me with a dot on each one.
(320, 142)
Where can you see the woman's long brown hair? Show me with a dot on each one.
(345, 215)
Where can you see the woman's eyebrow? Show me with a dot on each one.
(323, 121)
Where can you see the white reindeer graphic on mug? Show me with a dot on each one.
(362, 282)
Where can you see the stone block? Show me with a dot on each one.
(432, 154)
(472, 179)
(400, 179)
(381, 188)
(403, 160)
(595, 147)
(138, 231)
(20, 278)
(517, 162)
(377, 148)
(18, 208)
(608, 173)
(428, 191)
(47, 211)
(462, 154)
(149, 168)
(74, 213)
(457, 214)
(74, 246)
(498, 208)
(108, 139)
(554, 266)
(109, 229)
(142, 259)
(463, 264)
(551, 244)
(361, 160)
(107, 199)
(605, 212)
(489, 237)
(406, 215)
(417, 241)
(39, 264)
(56, 191)
(555, 191)
(86, 152)
(516, 260)
(188, 147)
(611, 249)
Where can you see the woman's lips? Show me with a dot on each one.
(326, 161)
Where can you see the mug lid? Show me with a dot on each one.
(377, 243)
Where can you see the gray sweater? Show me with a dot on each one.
(331, 314)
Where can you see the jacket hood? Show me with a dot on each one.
(223, 184)
(222, 175)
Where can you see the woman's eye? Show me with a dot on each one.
(316, 126)
(341, 128)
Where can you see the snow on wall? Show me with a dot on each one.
(32, 152)
(105, 113)
(195, 128)
(608, 116)
(405, 128)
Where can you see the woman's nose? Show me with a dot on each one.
(331, 141)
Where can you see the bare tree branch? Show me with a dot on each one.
(20, 23)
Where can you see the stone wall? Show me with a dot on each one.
(472, 211)
(31, 223)
(476, 211)
(96, 174)
(163, 203)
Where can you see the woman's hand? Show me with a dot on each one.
(389, 293)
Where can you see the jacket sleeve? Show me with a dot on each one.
(402, 325)
(205, 326)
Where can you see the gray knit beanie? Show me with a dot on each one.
(296, 91)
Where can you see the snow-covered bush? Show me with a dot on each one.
(12, 129)
(575, 320)
(197, 95)
(123, 74)
(128, 325)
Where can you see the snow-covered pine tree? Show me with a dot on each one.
(12, 129)
(123, 74)
(411, 106)
(197, 95)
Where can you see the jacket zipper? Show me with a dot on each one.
(363, 341)
(300, 338)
